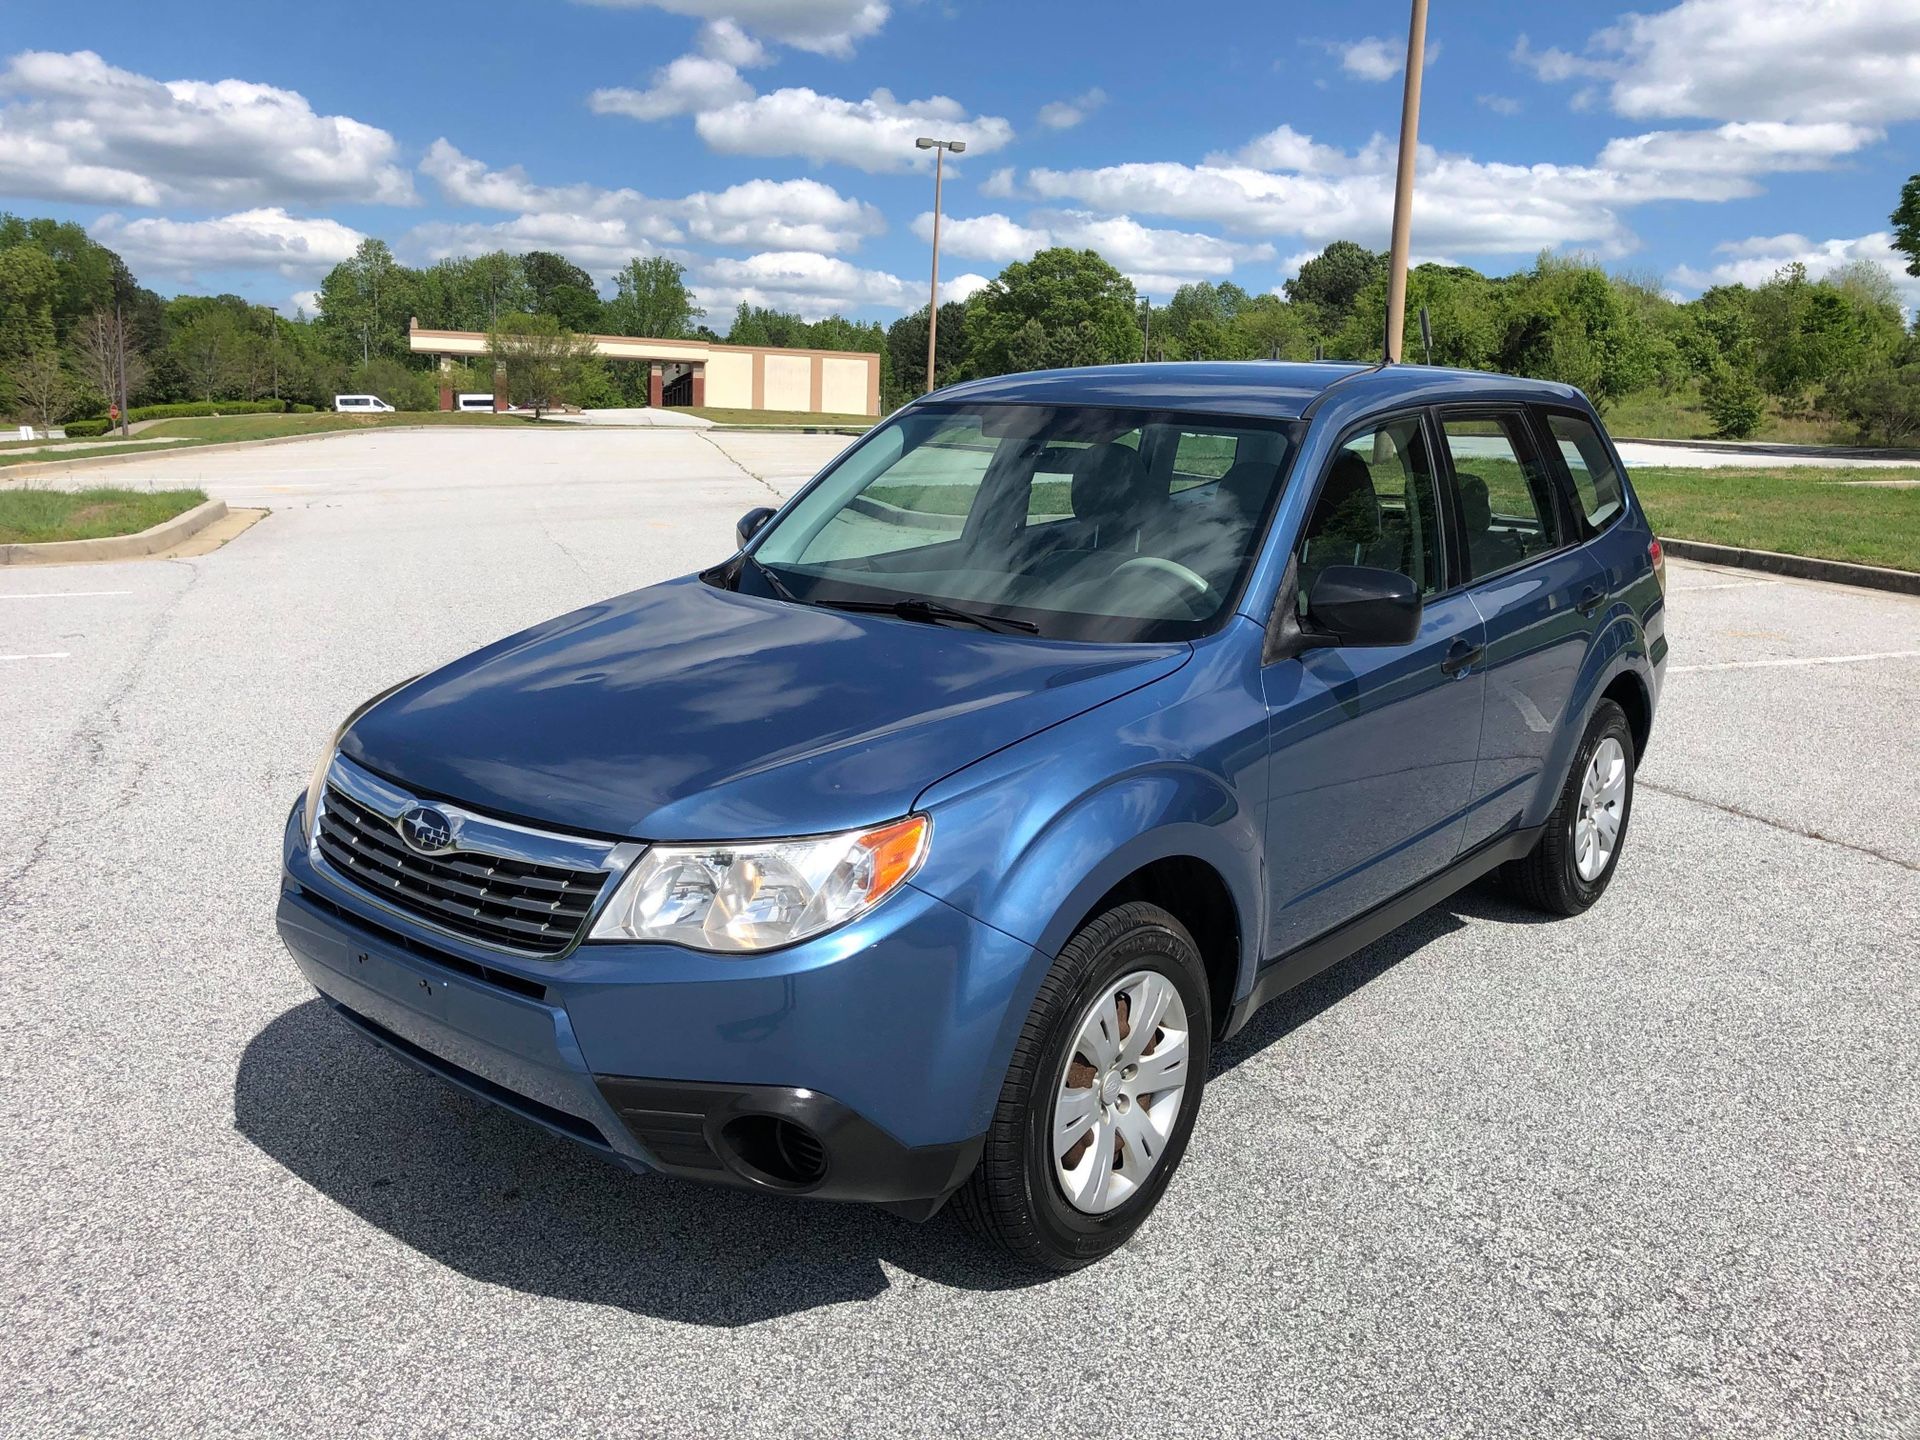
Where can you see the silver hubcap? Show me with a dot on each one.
(1121, 1091)
(1603, 798)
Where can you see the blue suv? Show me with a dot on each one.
(923, 850)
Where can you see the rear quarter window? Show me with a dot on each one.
(1596, 480)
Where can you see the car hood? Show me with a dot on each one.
(686, 712)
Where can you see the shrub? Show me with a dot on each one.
(1733, 402)
(1883, 406)
(86, 429)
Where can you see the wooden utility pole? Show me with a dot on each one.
(1403, 183)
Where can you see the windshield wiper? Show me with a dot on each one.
(933, 612)
(774, 582)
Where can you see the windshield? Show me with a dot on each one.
(1077, 523)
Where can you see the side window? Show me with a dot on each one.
(1506, 498)
(1378, 506)
(1595, 480)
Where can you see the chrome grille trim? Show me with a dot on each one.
(501, 886)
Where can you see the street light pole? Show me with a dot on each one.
(939, 148)
(1403, 182)
(273, 346)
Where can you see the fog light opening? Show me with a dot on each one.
(774, 1152)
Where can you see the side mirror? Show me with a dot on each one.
(1361, 605)
(751, 523)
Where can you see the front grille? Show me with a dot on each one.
(515, 904)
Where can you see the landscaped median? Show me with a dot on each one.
(1860, 516)
(57, 526)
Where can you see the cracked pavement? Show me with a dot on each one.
(1651, 1172)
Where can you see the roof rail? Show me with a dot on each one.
(1314, 404)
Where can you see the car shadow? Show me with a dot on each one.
(503, 1201)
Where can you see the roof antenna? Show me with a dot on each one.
(1426, 334)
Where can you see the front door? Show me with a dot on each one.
(1373, 747)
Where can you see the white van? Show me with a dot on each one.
(361, 405)
(473, 402)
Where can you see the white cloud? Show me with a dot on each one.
(266, 239)
(1164, 259)
(1756, 260)
(811, 285)
(963, 287)
(1285, 148)
(1065, 114)
(875, 134)
(606, 227)
(1499, 104)
(999, 185)
(826, 27)
(724, 40)
(1376, 58)
(1805, 60)
(73, 127)
(686, 86)
(1747, 148)
(307, 301)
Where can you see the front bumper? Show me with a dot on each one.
(885, 1042)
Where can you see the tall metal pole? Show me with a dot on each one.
(1403, 183)
(933, 296)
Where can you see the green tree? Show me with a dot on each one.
(29, 281)
(652, 300)
(1568, 321)
(364, 303)
(1733, 402)
(43, 389)
(208, 348)
(1061, 308)
(1882, 406)
(545, 365)
(1906, 224)
(558, 287)
(1331, 283)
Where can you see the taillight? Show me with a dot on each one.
(1659, 558)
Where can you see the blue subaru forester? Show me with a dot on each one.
(922, 850)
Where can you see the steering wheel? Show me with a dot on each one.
(1191, 584)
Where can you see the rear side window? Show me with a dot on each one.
(1595, 480)
(1506, 500)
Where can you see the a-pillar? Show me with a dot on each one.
(699, 383)
(655, 384)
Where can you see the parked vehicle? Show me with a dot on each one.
(361, 405)
(473, 402)
(924, 849)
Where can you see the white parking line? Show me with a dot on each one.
(62, 594)
(1808, 660)
(49, 655)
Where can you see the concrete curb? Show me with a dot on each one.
(785, 429)
(164, 536)
(1796, 567)
(1760, 450)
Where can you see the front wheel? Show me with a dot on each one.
(1101, 1095)
(1577, 853)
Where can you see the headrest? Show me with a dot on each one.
(1247, 485)
(1109, 484)
(1475, 508)
(1347, 501)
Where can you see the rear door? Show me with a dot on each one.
(1537, 589)
(1373, 747)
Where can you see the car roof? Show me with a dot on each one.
(1266, 389)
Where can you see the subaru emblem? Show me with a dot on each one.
(427, 830)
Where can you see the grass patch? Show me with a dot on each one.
(1797, 510)
(32, 516)
(1650, 415)
(62, 453)
(275, 427)
(775, 417)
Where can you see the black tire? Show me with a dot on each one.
(1013, 1200)
(1547, 877)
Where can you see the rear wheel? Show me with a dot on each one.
(1101, 1095)
(1577, 853)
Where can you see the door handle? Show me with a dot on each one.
(1589, 601)
(1462, 657)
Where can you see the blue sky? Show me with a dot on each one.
(767, 143)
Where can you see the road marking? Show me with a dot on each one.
(1810, 660)
(62, 594)
(1730, 585)
(50, 655)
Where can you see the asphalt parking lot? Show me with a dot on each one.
(1654, 1171)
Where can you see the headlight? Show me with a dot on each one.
(317, 783)
(756, 895)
